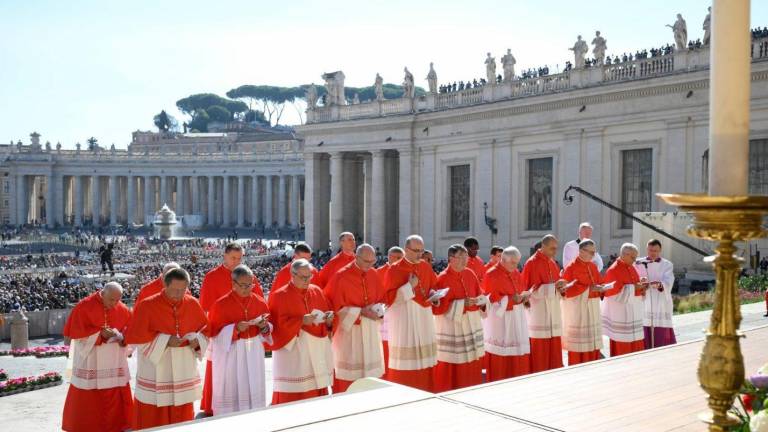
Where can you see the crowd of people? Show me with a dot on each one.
(46, 279)
(330, 319)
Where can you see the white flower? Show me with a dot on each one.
(759, 422)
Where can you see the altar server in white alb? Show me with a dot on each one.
(239, 327)
(571, 249)
(657, 320)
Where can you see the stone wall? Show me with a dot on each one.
(41, 323)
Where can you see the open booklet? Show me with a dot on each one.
(438, 294)
(483, 299)
(320, 315)
(118, 337)
(605, 287)
(379, 309)
(258, 320)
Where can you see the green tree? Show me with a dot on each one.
(190, 104)
(200, 119)
(254, 115)
(218, 113)
(272, 99)
(165, 122)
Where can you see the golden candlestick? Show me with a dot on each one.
(725, 220)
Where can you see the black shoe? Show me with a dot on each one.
(766, 314)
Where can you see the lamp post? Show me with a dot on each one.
(490, 222)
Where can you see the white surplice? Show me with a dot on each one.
(658, 306)
(238, 372)
(623, 315)
(411, 332)
(581, 323)
(303, 364)
(92, 366)
(168, 376)
(544, 321)
(459, 335)
(505, 331)
(357, 350)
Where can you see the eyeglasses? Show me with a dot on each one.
(304, 278)
(591, 252)
(416, 250)
(246, 285)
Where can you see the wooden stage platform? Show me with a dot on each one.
(653, 390)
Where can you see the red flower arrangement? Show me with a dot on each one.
(17, 385)
(39, 352)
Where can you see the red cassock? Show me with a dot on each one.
(498, 283)
(397, 276)
(352, 287)
(216, 284)
(623, 274)
(382, 272)
(283, 276)
(477, 265)
(545, 353)
(231, 309)
(158, 314)
(462, 285)
(287, 306)
(585, 274)
(332, 266)
(114, 406)
(489, 265)
(150, 289)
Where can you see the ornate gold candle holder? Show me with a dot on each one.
(724, 220)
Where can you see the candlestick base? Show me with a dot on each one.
(725, 220)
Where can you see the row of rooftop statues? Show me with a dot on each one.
(334, 81)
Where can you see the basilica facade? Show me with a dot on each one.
(494, 161)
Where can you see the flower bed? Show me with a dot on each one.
(39, 352)
(3, 375)
(24, 384)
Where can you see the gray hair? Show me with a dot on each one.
(510, 252)
(113, 286)
(169, 266)
(240, 271)
(364, 247)
(395, 250)
(413, 237)
(586, 242)
(344, 234)
(627, 247)
(299, 264)
(585, 225)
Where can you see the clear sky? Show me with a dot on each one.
(74, 69)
